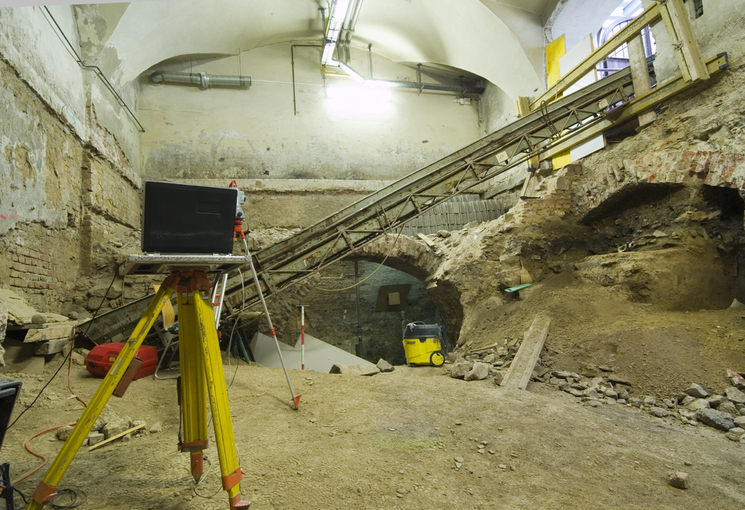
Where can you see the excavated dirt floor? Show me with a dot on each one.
(393, 441)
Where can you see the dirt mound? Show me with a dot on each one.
(661, 352)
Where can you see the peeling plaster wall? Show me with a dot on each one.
(36, 52)
(498, 109)
(229, 133)
(68, 194)
(30, 45)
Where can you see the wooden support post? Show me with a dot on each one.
(683, 38)
(640, 75)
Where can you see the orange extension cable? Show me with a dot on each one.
(36, 454)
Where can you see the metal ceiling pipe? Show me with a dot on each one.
(458, 89)
(203, 80)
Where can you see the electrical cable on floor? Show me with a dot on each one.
(76, 498)
(69, 354)
(36, 454)
(202, 478)
(23, 496)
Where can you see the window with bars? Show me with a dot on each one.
(619, 59)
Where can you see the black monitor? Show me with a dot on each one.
(185, 218)
(9, 391)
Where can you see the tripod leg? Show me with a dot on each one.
(218, 393)
(48, 486)
(193, 390)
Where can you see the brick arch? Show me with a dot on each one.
(414, 257)
(404, 253)
(596, 187)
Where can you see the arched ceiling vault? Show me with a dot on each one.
(467, 34)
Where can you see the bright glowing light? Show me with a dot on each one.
(351, 72)
(349, 101)
(340, 9)
(381, 83)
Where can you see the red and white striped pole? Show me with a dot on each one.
(302, 337)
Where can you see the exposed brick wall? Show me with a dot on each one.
(597, 185)
(43, 265)
(65, 202)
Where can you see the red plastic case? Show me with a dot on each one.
(101, 357)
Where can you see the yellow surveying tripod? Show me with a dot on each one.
(201, 373)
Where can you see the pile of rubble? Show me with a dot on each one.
(724, 411)
(110, 426)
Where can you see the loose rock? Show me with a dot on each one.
(64, 432)
(478, 372)
(716, 419)
(95, 438)
(659, 412)
(697, 391)
(678, 479)
(460, 369)
(384, 366)
(498, 378)
(735, 395)
(39, 318)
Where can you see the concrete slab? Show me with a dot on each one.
(319, 355)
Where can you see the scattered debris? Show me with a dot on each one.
(122, 434)
(716, 419)
(384, 366)
(736, 305)
(479, 372)
(678, 479)
(341, 368)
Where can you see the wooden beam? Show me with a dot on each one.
(521, 369)
(640, 104)
(54, 331)
(650, 16)
(683, 38)
(112, 438)
(62, 345)
(640, 75)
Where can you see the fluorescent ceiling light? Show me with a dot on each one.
(351, 72)
(340, 10)
(335, 23)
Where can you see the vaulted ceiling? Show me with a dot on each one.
(501, 41)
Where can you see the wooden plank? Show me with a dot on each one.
(650, 16)
(426, 240)
(54, 331)
(521, 369)
(62, 345)
(683, 38)
(112, 438)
